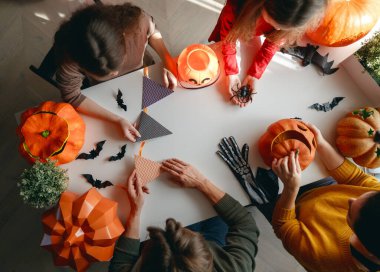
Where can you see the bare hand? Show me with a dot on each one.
(170, 74)
(135, 193)
(233, 84)
(317, 134)
(184, 174)
(128, 130)
(288, 169)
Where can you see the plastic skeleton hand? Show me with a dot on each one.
(237, 161)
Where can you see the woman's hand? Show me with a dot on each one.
(183, 173)
(135, 193)
(288, 169)
(128, 130)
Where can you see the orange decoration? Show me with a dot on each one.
(284, 136)
(51, 131)
(358, 136)
(81, 230)
(147, 170)
(198, 66)
(345, 22)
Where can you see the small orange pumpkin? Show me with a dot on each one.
(358, 136)
(345, 21)
(284, 136)
(51, 131)
(198, 66)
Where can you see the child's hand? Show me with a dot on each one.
(317, 134)
(288, 169)
(170, 73)
(233, 84)
(128, 130)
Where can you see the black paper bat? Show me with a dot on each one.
(97, 183)
(309, 55)
(328, 106)
(119, 155)
(93, 153)
(120, 101)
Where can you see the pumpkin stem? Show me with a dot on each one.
(377, 136)
(45, 133)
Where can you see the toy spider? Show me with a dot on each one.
(243, 94)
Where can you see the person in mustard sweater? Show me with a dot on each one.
(330, 228)
(176, 248)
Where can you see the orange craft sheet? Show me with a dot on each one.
(81, 230)
(147, 170)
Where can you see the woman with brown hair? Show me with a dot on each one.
(101, 42)
(180, 249)
(282, 22)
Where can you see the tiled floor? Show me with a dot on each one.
(26, 31)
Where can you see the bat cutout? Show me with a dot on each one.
(309, 55)
(97, 183)
(93, 153)
(120, 101)
(119, 155)
(328, 106)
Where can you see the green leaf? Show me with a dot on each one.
(370, 132)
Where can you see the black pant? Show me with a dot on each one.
(267, 209)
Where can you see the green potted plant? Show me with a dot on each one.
(42, 184)
(369, 56)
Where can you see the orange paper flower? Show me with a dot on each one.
(81, 230)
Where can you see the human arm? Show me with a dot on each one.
(69, 79)
(127, 247)
(187, 176)
(89, 107)
(156, 41)
(261, 60)
(342, 170)
(242, 237)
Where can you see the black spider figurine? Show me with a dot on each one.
(243, 94)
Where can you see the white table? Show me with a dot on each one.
(199, 119)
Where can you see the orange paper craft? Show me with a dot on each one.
(147, 170)
(81, 230)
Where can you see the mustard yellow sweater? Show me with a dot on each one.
(316, 232)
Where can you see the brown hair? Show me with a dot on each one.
(175, 249)
(295, 15)
(367, 225)
(93, 37)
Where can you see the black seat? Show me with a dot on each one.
(48, 66)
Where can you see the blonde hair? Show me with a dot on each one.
(297, 16)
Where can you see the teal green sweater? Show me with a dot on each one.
(237, 255)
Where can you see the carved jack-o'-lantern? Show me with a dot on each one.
(198, 66)
(51, 131)
(284, 136)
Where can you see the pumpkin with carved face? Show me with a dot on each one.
(51, 131)
(198, 66)
(284, 136)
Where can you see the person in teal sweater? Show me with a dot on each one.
(176, 248)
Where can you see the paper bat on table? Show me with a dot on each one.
(309, 55)
(120, 101)
(328, 105)
(119, 155)
(97, 183)
(93, 153)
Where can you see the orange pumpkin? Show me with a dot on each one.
(358, 136)
(345, 21)
(284, 136)
(198, 66)
(51, 131)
